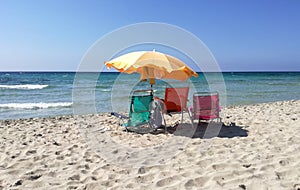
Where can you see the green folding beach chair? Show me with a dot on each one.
(139, 113)
(145, 114)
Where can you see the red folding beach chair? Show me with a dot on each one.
(206, 106)
(176, 100)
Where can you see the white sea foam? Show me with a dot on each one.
(24, 86)
(40, 105)
(105, 90)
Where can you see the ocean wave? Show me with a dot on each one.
(24, 86)
(105, 90)
(40, 105)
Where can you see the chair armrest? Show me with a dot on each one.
(119, 115)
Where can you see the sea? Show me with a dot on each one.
(45, 94)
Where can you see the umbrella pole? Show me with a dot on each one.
(152, 81)
(151, 89)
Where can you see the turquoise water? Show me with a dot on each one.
(39, 94)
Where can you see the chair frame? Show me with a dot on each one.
(132, 110)
(214, 107)
(183, 101)
(137, 128)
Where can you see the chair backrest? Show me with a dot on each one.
(206, 105)
(140, 104)
(139, 109)
(176, 99)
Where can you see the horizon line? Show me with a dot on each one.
(241, 71)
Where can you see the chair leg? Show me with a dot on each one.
(165, 123)
(181, 116)
(191, 118)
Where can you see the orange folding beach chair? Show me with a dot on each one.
(176, 100)
(206, 106)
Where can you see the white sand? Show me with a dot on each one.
(72, 152)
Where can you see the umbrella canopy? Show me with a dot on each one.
(152, 65)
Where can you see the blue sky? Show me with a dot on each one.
(53, 35)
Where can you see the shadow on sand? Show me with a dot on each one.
(209, 130)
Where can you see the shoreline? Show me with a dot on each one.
(100, 113)
(261, 151)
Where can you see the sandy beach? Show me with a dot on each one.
(258, 147)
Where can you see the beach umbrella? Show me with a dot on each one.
(152, 65)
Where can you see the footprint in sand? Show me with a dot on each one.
(287, 174)
(74, 177)
(283, 162)
(168, 181)
(29, 152)
(196, 182)
(34, 177)
(296, 187)
(145, 178)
